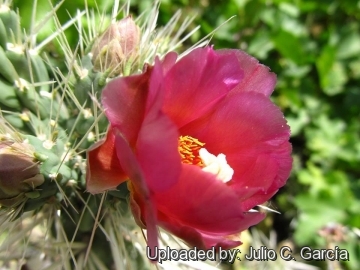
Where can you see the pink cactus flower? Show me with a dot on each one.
(200, 142)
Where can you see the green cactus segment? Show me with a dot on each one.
(33, 106)
(12, 22)
(48, 157)
(31, 99)
(39, 71)
(24, 79)
(44, 194)
(16, 121)
(51, 155)
(7, 70)
(90, 83)
(18, 60)
(83, 89)
(18, 76)
(3, 35)
(23, 72)
(32, 194)
(87, 87)
(8, 96)
(31, 71)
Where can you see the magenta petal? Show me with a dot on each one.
(253, 134)
(217, 241)
(133, 105)
(197, 81)
(103, 170)
(157, 145)
(124, 101)
(259, 183)
(158, 154)
(169, 61)
(257, 77)
(130, 165)
(220, 98)
(195, 199)
(197, 239)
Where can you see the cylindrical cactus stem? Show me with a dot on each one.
(3, 35)
(8, 97)
(24, 77)
(12, 22)
(7, 69)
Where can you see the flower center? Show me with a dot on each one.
(191, 152)
(189, 148)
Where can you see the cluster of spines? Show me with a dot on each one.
(25, 87)
(30, 102)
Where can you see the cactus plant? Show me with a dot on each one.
(53, 115)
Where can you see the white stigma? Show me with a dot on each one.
(216, 165)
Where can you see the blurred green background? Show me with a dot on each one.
(314, 48)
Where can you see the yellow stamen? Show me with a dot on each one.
(189, 150)
(192, 152)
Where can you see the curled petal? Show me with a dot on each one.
(103, 169)
(124, 100)
(134, 107)
(132, 168)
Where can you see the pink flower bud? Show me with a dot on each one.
(18, 173)
(119, 43)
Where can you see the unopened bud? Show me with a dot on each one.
(118, 44)
(19, 173)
